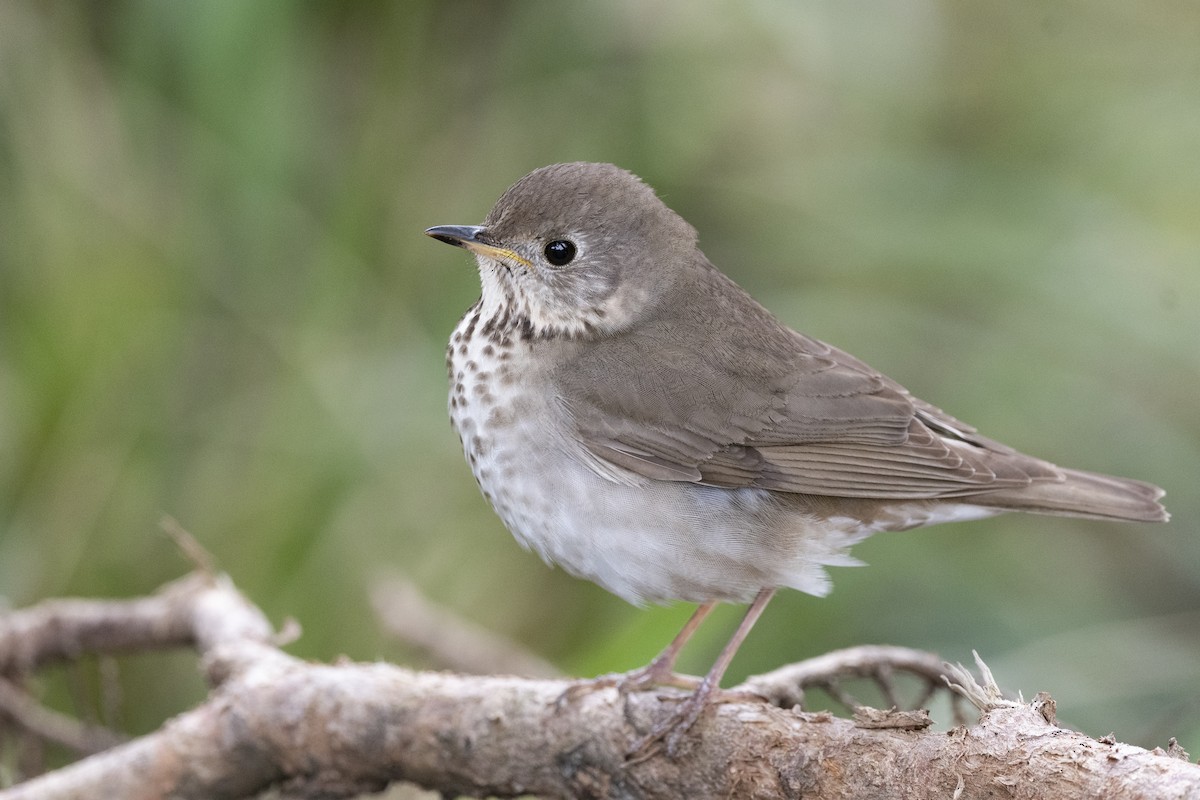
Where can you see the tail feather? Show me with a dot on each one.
(1083, 494)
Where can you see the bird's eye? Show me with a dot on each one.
(560, 252)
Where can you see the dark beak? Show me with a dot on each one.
(457, 235)
(475, 239)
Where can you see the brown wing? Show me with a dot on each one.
(771, 408)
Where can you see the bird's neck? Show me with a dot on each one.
(509, 309)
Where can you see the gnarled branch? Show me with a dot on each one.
(334, 730)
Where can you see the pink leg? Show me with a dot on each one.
(661, 670)
(674, 727)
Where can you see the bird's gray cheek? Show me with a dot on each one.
(600, 287)
(566, 288)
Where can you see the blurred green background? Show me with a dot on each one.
(216, 302)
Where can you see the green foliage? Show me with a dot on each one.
(216, 301)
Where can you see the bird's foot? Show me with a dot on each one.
(579, 688)
(626, 683)
(655, 673)
(670, 732)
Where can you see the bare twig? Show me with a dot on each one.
(786, 686)
(451, 641)
(51, 726)
(202, 560)
(195, 610)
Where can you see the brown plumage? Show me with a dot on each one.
(635, 417)
(775, 409)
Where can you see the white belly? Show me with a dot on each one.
(641, 539)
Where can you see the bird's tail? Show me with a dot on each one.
(1083, 494)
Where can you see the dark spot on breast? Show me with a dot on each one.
(472, 366)
(488, 350)
(462, 349)
(526, 328)
(497, 323)
(478, 447)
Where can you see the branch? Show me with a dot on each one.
(333, 731)
(785, 687)
(451, 641)
(51, 726)
(198, 610)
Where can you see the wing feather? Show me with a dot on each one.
(771, 408)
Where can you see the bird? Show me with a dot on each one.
(636, 418)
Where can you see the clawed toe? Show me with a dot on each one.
(579, 688)
(670, 732)
(627, 683)
(643, 679)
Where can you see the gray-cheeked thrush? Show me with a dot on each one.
(636, 418)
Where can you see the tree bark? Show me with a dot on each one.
(336, 730)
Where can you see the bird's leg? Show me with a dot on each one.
(661, 671)
(674, 727)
